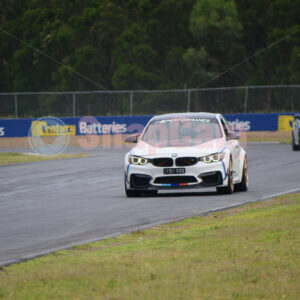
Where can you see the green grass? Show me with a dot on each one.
(7, 158)
(251, 252)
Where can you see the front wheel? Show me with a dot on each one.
(138, 193)
(230, 186)
(132, 193)
(243, 185)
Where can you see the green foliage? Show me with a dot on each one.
(217, 30)
(216, 19)
(135, 78)
(197, 61)
(276, 19)
(143, 44)
(294, 65)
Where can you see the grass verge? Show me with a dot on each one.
(250, 252)
(8, 158)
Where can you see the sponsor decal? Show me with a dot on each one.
(98, 128)
(285, 123)
(90, 132)
(43, 127)
(238, 125)
(2, 131)
(49, 136)
(184, 120)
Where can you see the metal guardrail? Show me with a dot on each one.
(240, 99)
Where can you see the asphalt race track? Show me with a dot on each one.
(55, 204)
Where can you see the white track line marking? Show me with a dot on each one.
(279, 194)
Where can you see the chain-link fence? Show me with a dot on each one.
(247, 99)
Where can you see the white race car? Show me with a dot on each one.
(185, 150)
(296, 133)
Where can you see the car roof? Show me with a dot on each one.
(187, 115)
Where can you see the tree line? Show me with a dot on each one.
(63, 45)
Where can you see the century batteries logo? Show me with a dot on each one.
(43, 127)
(285, 122)
(94, 127)
(91, 130)
(49, 136)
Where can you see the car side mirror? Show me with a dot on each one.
(132, 138)
(233, 135)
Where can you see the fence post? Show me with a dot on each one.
(74, 105)
(16, 105)
(131, 103)
(246, 100)
(189, 101)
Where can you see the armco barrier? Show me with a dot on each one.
(132, 124)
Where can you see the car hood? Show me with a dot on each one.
(146, 150)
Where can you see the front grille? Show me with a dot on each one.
(175, 179)
(139, 180)
(162, 162)
(186, 161)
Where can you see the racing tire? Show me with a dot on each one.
(230, 186)
(132, 193)
(151, 193)
(243, 185)
(294, 146)
(138, 193)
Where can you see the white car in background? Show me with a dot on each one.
(296, 133)
(185, 150)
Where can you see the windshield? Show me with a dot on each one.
(181, 132)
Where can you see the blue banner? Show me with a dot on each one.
(253, 122)
(126, 124)
(76, 126)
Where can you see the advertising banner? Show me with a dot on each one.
(90, 125)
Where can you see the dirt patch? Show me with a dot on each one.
(269, 135)
(85, 142)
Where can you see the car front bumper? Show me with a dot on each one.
(199, 175)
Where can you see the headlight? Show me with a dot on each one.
(136, 160)
(212, 158)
